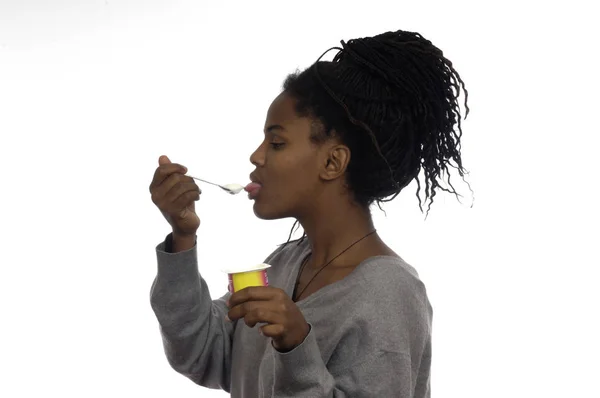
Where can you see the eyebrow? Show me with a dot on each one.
(273, 127)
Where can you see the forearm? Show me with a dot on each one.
(301, 372)
(196, 340)
(368, 372)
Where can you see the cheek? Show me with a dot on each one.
(287, 190)
(294, 174)
(307, 174)
(297, 180)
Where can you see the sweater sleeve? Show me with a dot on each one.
(377, 373)
(385, 351)
(197, 342)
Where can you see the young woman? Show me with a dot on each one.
(344, 315)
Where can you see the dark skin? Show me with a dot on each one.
(302, 180)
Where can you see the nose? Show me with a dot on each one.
(258, 156)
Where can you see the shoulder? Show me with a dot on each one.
(386, 307)
(393, 302)
(393, 287)
(390, 276)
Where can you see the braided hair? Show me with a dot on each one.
(393, 100)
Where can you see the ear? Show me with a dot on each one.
(335, 162)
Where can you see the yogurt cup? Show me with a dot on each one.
(249, 276)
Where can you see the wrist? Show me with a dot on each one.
(283, 349)
(183, 242)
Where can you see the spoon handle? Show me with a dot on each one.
(208, 182)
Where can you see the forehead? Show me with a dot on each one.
(282, 111)
(283, 119)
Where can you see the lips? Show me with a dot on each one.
(253, 188)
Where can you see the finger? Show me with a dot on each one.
(273, 331)
(239, 311)
(166, 192)
(262, 315)
(184, 203)
(254, 312)
(180, 189)
(165, 171)
(256, 293)
(163, 159)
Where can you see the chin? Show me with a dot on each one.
(265, 212)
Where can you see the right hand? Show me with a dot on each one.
(174, 194)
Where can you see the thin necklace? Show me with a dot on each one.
(294, 295)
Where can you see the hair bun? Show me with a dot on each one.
(392, 56)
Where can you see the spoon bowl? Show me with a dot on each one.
(232, 189)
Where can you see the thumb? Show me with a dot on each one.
(163, 160)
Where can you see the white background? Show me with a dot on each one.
(93, 91)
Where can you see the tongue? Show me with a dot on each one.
(253, 186)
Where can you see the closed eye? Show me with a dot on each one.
(277, 145)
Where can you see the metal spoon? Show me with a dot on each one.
(232, 189)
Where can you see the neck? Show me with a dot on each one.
(331, 229)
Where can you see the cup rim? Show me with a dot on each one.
(255, 268)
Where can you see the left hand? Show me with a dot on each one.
(265, 304)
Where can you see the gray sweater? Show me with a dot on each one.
(370, 332)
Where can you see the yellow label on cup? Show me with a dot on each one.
(243, 280)
(255, 276)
